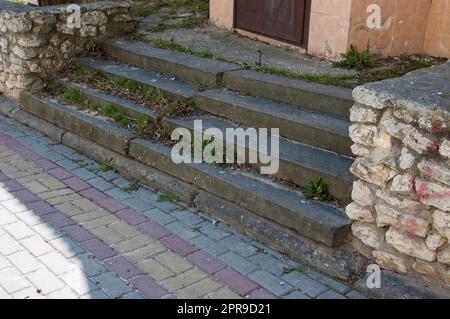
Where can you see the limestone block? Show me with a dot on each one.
(409, 244)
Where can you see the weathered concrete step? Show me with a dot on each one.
(167, 85)
(184, 66)
(314, 220)
(298, 162)
(302, 125)
(82, 124)
(132, 109)
(318, 97)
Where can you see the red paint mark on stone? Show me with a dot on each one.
(411, 227)
(422, 193)
(432, 146)
(437, 127)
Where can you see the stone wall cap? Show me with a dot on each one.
(19, 8)
(427, 89)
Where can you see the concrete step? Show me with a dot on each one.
(298, 162)
(287, 208)
(318, 97)
(167, 85)
(302, 125)
(184, 66)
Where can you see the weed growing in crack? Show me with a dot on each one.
(317, 189)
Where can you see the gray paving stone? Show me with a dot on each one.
(24, 261)
(146, 195)
(132, 295)
(113, 285)
(52, 155)
(355, 295)
(188, 218)
(182, 230)
(100, 183)
(159, 216)
(270, 263)
(304, 283)
(331, 283)
(121, 182)
(238, 262)
(210, 246)
(97, 294)
(212, 231)
(45, 281)
(109, 176)
(330, 294)
(271, 283)
(74, 156)
(296, 295)
(168, 207)
(12, 280)
(240, 246)
(83, 173)
(66, 246)
(68, 164)
(88, 264)
(138, 204)
(78, 281)
(118, 194)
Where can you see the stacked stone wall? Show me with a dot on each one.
(36, 42)
(401, 200)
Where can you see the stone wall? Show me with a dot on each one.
(401, 201)
(35, 42)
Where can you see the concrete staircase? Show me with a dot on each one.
(314, 142)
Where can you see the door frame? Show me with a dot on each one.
(306, 20)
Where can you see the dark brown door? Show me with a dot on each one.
(285, 20)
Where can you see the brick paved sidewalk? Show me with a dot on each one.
(72, 228)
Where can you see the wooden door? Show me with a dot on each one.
(285, 20)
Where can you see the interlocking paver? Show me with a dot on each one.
(45, 281)
(184, 279)
(173, 262)
(305, 284)
(155, 269)
(112, 284)
(238, 262)
(159, 216)
(19, 230)
(57, 263)
(135, 235)
(36, 245)
(24, 261)
(78, 281)
(271, 283)
(9, 245)
(12, 280)
(199, 289)
(66, 246)
(330, 294)
(145, 252)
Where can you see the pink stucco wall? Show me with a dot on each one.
(408, 26)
